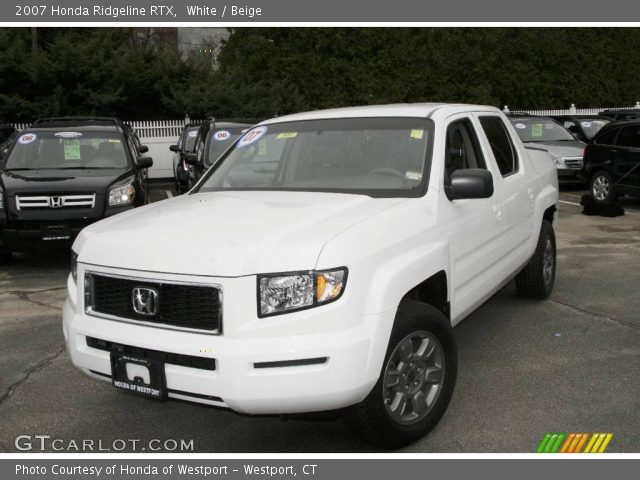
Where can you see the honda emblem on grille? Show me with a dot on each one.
(145, 301)
(56, 202)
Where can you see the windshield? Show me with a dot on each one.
(190, 139)
(372, 156)
(220, 140)
(591, 126)
(67, 150)
(540, 130)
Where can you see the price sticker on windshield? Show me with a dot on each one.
(72, 149)
(287, 135)
(536, 130)
(417, 134)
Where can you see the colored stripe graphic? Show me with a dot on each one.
(551, 443)
(574, 442)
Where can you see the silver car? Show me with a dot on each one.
(546, 133)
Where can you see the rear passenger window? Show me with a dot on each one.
(501, 144)
(607, 138)
(630, 137)
(462, 150)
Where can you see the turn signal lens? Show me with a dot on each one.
(329, 285)
(320, 287)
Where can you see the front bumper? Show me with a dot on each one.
(569, 175)
(276, 387)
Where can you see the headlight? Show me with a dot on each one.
(122, 195)
(557, 160)
(283, 293)
(74, 266)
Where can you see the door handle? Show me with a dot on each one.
(497, 212)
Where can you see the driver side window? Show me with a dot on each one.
(462, 149)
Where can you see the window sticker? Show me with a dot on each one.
(114, 140)
(68, 134)
(72, 149)
(536, 130)
(416, 133)
(252, 136)
(27, 138)
(413, 175)
(586, 124)
(221, 135)
(193, 133)
(262, 148)
(287, 135)
(521, 126)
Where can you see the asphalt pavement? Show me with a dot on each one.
(567, 364)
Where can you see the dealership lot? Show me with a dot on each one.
(569, 364)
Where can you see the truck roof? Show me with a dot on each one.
(420, 110)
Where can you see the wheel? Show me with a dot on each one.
(5, 257)
(601, 187)
(416, 381)
(537, 278)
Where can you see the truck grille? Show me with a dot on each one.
(46, 202)
(574, 163)
(177, 305)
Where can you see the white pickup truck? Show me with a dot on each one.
(329, 255)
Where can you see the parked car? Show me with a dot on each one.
(583, 127)
(62, 174)
(565, 149)
(621, 114)
(612, 163)
(212, 139)
(331, 253)
(186, 143)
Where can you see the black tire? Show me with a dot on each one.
(370, 419)
(5, 257)
(535, 281)
(601, 188)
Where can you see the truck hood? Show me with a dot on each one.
(226, 234)
(53, 181)
(568, 148)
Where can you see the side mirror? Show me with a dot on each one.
(143, 149)
(470, 183)
(173, 148)
(191, 158)
(145, 162)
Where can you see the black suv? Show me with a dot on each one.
(62, 174)
(212, 140)
(621, 114)
(611, 165)
(186, 144)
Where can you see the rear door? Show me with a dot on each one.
(517, 186)
(626, 166)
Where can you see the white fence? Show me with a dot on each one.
(572, 110)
